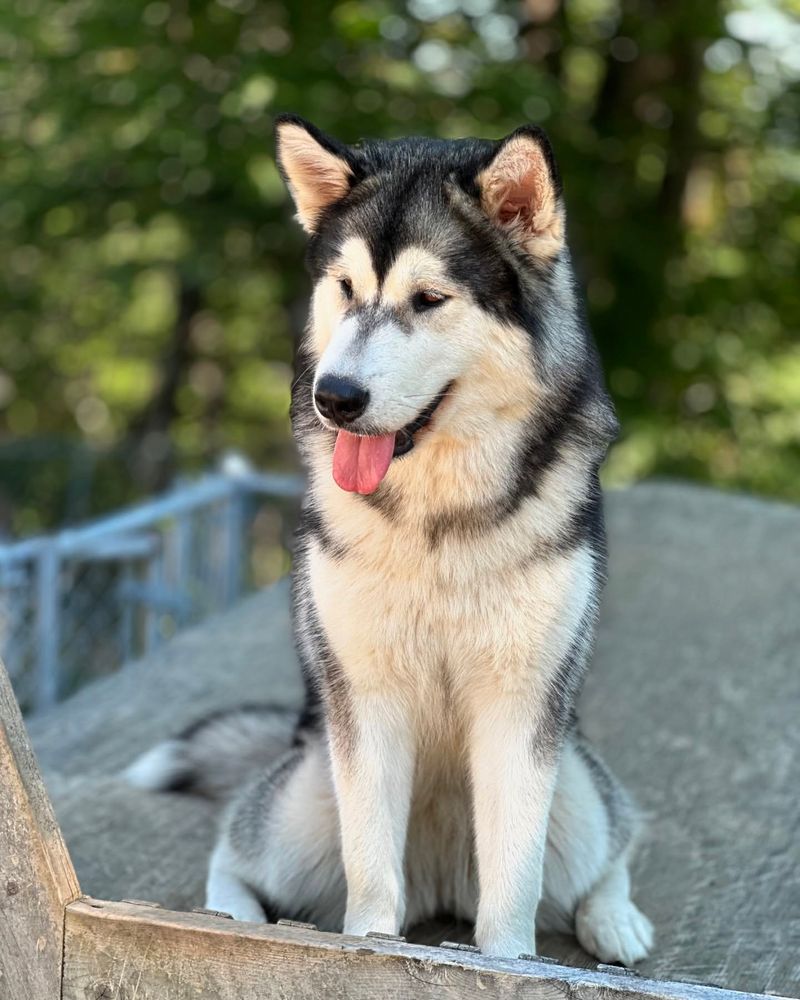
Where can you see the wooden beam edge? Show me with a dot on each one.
(108, 918)
(14, 735)
(37, 879)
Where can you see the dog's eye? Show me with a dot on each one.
(428, 299)
(346, 286)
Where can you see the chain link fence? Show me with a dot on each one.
(80, 603)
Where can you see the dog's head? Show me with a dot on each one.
(442, 286)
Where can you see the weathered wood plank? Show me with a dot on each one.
(36, 875)
(125, 951)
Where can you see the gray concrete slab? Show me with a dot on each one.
(694, 697)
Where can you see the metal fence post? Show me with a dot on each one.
(48, 630)
(152, 619)
(182, 535)
(234, 527)
(127, 624)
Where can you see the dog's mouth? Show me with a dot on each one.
(404, 438)
(361, 461)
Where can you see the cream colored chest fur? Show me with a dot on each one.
(443, 627)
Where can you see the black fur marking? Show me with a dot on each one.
(340, 719)
(281, 773)
(498, 274)
(564, 686)
(589, 526)
(551, 429)
(310, 722)
(250, 820)
(257, 708)
(371, 317)
(306, 631)
(313, 524)
(306, 426)
(327, 690)
(405, 439)
(274, 911)
(188, 779)
(385, 500)
(585, 527)
(621, 817)
(183, 783)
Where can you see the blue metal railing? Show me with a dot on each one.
(180, 554)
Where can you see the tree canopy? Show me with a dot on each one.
(153, 282)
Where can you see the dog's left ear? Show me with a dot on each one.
(520, 190)
(318, 170)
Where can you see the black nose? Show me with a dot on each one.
(340, 400)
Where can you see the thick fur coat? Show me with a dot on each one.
(452, 417)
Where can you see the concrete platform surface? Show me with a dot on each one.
(694, 698)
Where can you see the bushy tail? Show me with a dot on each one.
(216, 754)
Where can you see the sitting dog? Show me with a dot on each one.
(451, 412)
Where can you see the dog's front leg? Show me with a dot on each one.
(373, 764)
(513, 777)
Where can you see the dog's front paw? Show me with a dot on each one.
(613, 930)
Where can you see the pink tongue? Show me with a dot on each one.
(360, 463)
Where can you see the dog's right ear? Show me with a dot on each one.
(318, 170)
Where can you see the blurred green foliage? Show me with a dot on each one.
(152, 279)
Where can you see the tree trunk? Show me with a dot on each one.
(151, 451)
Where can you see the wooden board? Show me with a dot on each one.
(129, 951)
(36, 875)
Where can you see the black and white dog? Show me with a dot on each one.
(452, 416)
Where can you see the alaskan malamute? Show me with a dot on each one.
(451, 413)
